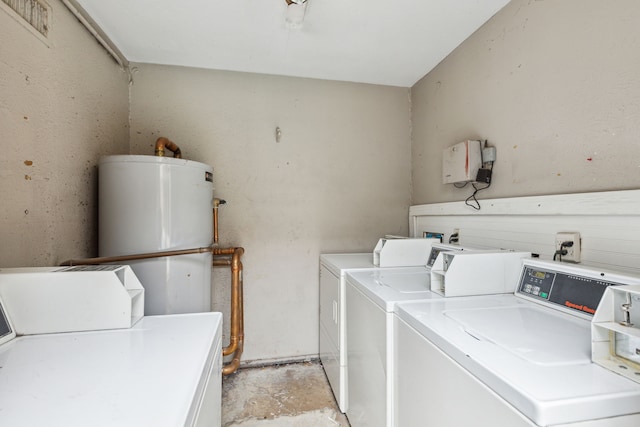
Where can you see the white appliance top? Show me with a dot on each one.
(149, 375)
(387, 287)
(338, 263)
(163, 160)
(536, 358)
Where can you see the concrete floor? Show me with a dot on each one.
(292, 395)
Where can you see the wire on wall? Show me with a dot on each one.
(483, 177)
(471, 200)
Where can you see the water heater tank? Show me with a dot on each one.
(152, 204)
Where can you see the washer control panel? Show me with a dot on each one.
(572, 288)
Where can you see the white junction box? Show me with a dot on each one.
(460, 163)
(42, 300)
(615, 331)
(475, 272)
(402, 252)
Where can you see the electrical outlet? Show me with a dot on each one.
(455, 236)
(572, 250)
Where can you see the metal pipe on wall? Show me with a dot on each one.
(216, 204)
(134, 257)
(236, 338)
(95, 30)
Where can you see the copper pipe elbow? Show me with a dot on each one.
(162, 143)
(233, 366)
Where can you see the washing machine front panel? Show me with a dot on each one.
(367, 361)
(371, 298)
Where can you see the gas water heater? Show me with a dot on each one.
(153, 204)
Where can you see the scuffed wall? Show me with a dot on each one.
(553, 85)
(336, 181)
(63, 104)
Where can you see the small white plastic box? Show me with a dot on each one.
(402, 252)
(42, 300)
(476, 272)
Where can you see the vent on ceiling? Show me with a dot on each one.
(34, 12)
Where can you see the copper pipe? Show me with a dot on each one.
(233, 366)
(162, 143)
(121, 258)
(236, 321)
(215, 222)
(216, 205)
(226, 251)
(236, 340)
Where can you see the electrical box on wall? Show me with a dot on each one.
(460, 163)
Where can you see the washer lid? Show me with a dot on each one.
(153, 374)
(531, 333)
(388, 286)
(339, 263)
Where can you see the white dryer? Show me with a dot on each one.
(371, 297)
(511, 360)
(333, 269)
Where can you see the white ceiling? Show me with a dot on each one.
(388, 42)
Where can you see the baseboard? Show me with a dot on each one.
(279, 361)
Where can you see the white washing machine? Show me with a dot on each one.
(163, 371)
(333, 345)
(371, 296)
(511, 360)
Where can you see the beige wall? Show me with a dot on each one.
(553, 85)
(337, 180)
(62, 106)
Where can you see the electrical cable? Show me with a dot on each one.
(562, 251)
(476, 206)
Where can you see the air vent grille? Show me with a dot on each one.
(35, 12)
